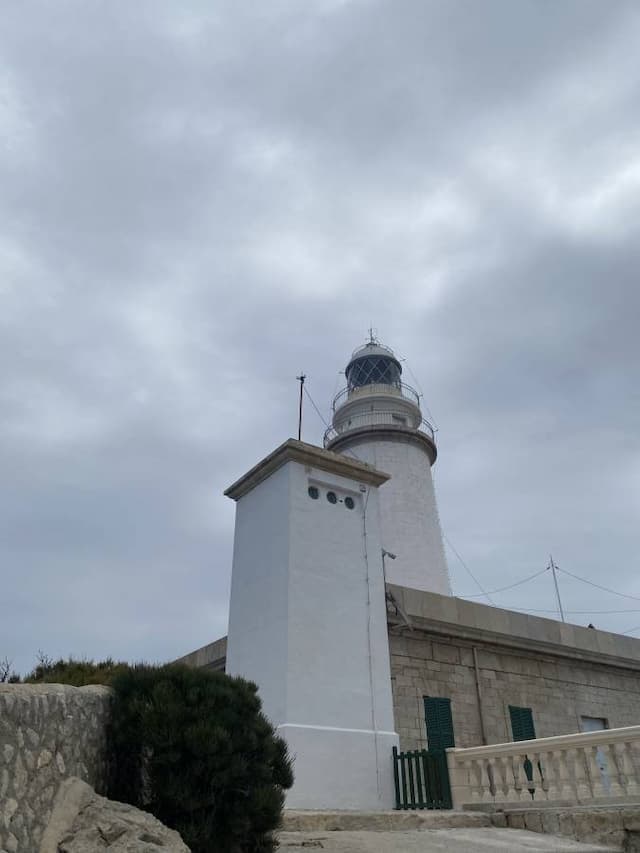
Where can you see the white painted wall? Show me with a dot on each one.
(308, 624)
(257, 641)
(409, 521)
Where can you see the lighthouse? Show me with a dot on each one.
(377, 419)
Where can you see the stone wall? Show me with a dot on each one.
(616, 827)
(48, 732)
(560, 672)
(212, 656)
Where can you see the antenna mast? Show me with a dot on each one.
(300, 379)
(553, 568)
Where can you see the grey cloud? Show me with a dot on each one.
(199, 203)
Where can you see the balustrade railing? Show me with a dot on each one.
(399, 389)
(377, 418)
(579, 768)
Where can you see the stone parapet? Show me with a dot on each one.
(48, 732)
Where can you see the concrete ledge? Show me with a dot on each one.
(310, 455)
(458, 618)
(212, 656)
(383, 821)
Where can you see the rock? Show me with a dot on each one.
(44, 759)
(84, 822)
(10, 808)
(60, 763)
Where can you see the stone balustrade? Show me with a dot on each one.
(594, 767)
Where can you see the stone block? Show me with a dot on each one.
(631, 820)
(533, 821)
(420, 649)
(565, 824)
(499, 820)
(489, 660)
(550, 822)
(445, 653)
(466, 657)
(515, 821)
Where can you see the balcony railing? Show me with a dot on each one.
(579, 768)
(398, 390)
(377, 419)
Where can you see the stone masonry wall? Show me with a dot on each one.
(558, 690)
(48, 732)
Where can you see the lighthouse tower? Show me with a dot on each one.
(377, 419)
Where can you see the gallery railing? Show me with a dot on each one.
(377, 419)
(399, 389)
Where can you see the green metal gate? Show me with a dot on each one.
(421, 779)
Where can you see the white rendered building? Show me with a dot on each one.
(377, 419)
(342, 660)
(308, 622)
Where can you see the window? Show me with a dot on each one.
(437, 715)
(332, 498)
(522, 726)
(314, 493)
(349, 503)
(593, 724)
(373, 369)
(522, 729)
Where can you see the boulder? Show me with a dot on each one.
(84, 822)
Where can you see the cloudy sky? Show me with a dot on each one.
(200, 200)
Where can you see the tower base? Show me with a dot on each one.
(340, 768)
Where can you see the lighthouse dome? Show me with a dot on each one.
(373, 364)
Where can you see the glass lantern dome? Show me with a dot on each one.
(373, 364)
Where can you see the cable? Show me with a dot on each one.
(631, 630)
(511, 586)
(328, 426)
(432, 420)
(574, 612)
(319, 413)
(597, 585)
(474, 578)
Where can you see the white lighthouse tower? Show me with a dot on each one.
(377, 419)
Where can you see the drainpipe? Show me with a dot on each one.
(483, 731)
(476, 668)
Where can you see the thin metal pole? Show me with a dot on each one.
(552, 566)
(300, 379)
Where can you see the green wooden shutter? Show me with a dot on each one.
(522, 723)
(437, 714)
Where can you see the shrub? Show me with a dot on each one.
(75, 672)
(194, 748)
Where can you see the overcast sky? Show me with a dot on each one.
(200, 200)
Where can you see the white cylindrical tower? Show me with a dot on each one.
(377, 419)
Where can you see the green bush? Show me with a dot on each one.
(75, 672)
(194, 748)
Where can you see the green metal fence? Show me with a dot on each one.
(421, 779)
